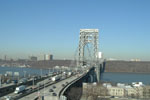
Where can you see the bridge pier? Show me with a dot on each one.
(99, 69)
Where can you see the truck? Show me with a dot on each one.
(24, 80)
(15, 81)
(55, 78)
(69, 74)
(20, 89)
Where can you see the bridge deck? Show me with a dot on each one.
(48, 95)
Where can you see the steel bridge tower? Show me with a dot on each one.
(88, 36)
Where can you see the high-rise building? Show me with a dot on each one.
(48, 57)
(51, 57)
(100, 55)
(5, 57)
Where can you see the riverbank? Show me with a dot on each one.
(44, 64)
(109, 66)
(127, 66)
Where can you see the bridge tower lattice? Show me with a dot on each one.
(88, 36)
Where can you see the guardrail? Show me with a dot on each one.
(37, 89)
(13, 87)
(61, 97)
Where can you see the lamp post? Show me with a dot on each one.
(24, 73)
(44, 87)
(0, 81)
(49, 71)
(41, 72)
(33, 82)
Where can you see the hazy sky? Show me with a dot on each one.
(35, 27)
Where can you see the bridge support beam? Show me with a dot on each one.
(97, 73)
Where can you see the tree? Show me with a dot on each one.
(75, 93)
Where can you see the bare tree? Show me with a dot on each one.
(75, 93)
(95, 91)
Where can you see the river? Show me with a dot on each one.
(126, 77)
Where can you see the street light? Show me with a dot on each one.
(33, 82)
(0, 81)
(49, 71)
(41, 72)
(24, 73)
(44, 87)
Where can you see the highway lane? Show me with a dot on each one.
(45, 92)
(6, 89)
(13, 95)
(59, 87)
(6, 85)
(48, 94)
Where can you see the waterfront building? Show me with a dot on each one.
(116, 91)
(131, 92)
(107, 85)
(94, 89)
(137, 84)
(123, 90)
(146, 91)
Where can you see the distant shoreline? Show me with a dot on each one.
(127, 67)
(129, 72)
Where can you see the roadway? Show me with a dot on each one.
(6, 85)
(49, 95)
(9, 88)
(39, 90)
(28, 89)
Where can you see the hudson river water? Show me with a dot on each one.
(126, 77)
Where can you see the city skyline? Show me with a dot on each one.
(52, 27)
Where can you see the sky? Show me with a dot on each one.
(37, 27)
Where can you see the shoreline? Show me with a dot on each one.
(128, 72)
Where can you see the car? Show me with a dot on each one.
(8, 97)
(15, 81)
(112, 96)
(51, 90)
(54, 94)
(54, 86)
(63, 85)
(66, 82)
